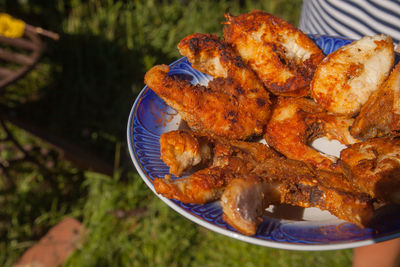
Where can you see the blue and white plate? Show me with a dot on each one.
(283, 226)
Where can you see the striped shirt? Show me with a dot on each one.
(352, 19)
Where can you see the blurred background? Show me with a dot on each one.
(62, 138)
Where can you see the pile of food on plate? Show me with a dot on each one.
(271, 81)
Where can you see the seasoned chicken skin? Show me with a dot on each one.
(296, 122)
(282, 56)
(380, 115)
(346, 78)
(211, 110)
(229, 159)
(209, 54)
(201, 187)
(302, 186)
(182, 150)
(282, 181)
(373, 167)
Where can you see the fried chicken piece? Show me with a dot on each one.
(201, 187)
(209, 54)
(207, 110)
(229, 159)
(380, 115)
(239, 156)
(181, 150)
(373, 167)
(284, 181)
(346, 78)
(205, 185)
(282, 56)
(300, 185)
(244, 202)
(296, 122)
(395, 122)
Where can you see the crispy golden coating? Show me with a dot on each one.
(380, 115)
(182, 150)
(211, 110)
(282, 56)
(395, 122)
(203, 186)
(347, 77)
(296, 122)
(229, 159)
(240, 157)
(209, 54)
(264, 178)
(300, 185)
(283, 181)
(373, 167)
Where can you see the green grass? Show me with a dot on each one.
(83, 89)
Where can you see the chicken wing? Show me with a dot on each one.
(282, 56)
(347, 77)
(211, 110)
(373, 167)
(380, 115)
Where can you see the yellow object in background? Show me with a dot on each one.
(11, 27)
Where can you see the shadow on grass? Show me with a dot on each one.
(93, 85)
